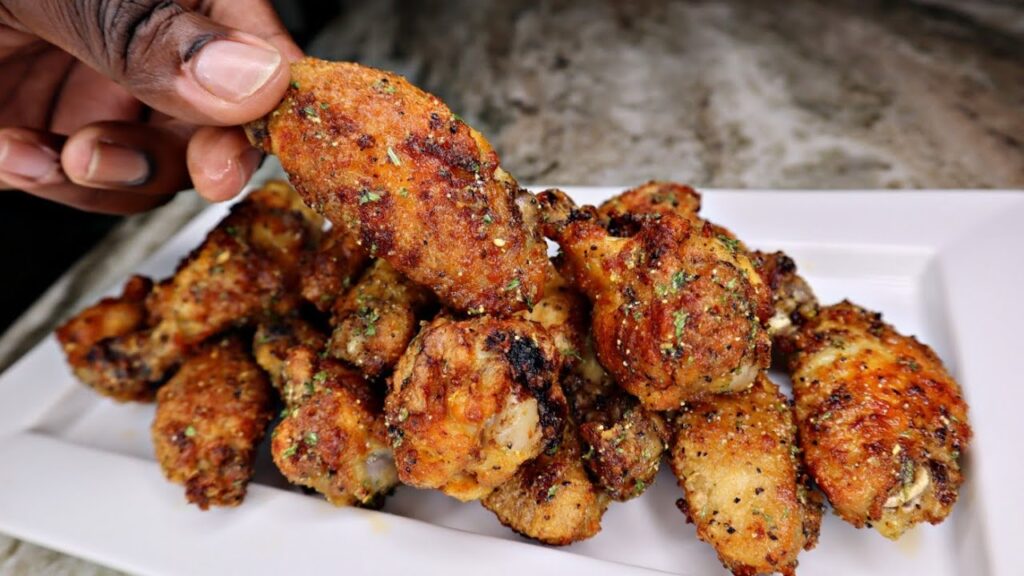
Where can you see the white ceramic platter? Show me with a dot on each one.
(77, 471)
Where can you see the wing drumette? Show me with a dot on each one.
(882, 422)
(275, 338)
(419, 187)
(677, 305)
(209, 419)
(736, 458)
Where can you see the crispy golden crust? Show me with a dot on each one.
(736, 458)
(551, 498)
(377, 318)
(418, 186)
(677, 305)
(108, 318)
(653, 197)
(328, 271)
(471, 401)
(882, 422)
(209, 419)
(333, 438)
(244, 269)
(274, 339)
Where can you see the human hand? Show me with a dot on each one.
(114, 105)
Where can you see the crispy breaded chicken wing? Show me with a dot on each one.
(375, 320)
(653, 197)
(244, 269)
(108, 318)
(327, 272)
(736, 458)
(332, 437)
(471, 401)
(209, 419)
(418, 186)
(793, 301)
(274, 339)
(677, 306)
(551, 498)
(882, 421)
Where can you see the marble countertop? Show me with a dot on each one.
(822, 95)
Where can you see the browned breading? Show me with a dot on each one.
(108, 318)
(793, 301)
(332, 437)
(274, 339)
(376, 319)
(551, 498)
(471, 401)
(736, 458)
(418, 186)
(882, 421)
(327, 272)
(653, 197)
(209, 419)
(677, 305)
(244, 269)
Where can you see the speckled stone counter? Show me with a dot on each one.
(718, 94)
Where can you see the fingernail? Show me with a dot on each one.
(234, 71)
(30, 161)
(114, 164)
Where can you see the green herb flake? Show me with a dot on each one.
(403, 192)
(403, 414)
(369, 317)
(368, 196)
(310, 112)
(639, 487)
(679, 321)
(552, 491)
(311, 439)
(323, 106)
(290, 451)
(320, 377)
(394, 157)
(488, 219)
(294, 85)
(190, 431)
(731, 243)
(680, 279)
(907, 473)
(512, 285)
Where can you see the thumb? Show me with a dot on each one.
(174, 60)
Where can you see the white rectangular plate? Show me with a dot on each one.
(77, 471)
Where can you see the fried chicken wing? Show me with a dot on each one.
(677, 306)
(327, 272)
(882, 421)
(551, 498)
(377, 318)
(418, 186)
(245, 269)
(209, 419)
(736, 458)
(653, 197)
(276, 337)
(793, 301)
(471, 401)
(108, 318)
(332, 437)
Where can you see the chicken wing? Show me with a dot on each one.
(276, 337)
(793, 301)
(108, 318)
(882, 422)
(327, 272)
(471, 401)
(736, 458)
(419, 187)
(677, 306)
(653, 198)
(209, 419)
(551, 498)
(332, 437)
(245, 269)
(376, 319)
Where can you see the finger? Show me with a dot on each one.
(172, 59)
(256, 17)
(221, 161)
(86, 97)
(98, 200)
(137, 158)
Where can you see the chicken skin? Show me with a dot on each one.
(376, 319)
(209, 419)
(108, 318)
(677, 306)
(882, 421)
(736, 459)
(332, 437)
(244, 270)
(471, 401)
(276, 337)
(327, 272)
(551, 499)
(652, 198)
(418, 187)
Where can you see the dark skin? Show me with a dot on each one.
(113, 106)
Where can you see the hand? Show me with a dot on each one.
(114, 105)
